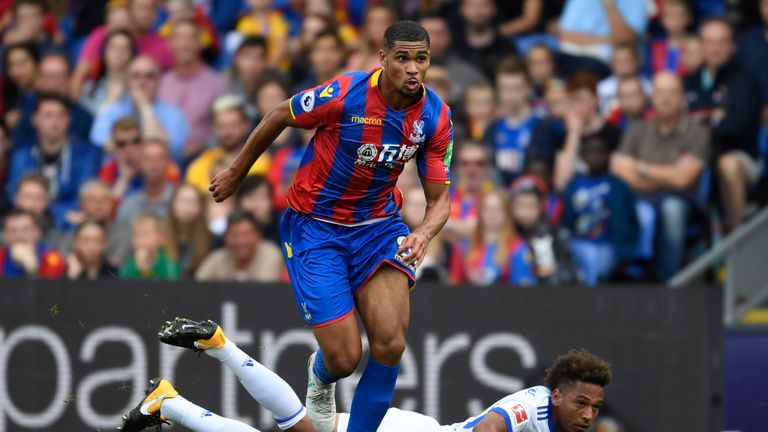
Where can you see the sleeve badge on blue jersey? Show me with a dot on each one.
(308, 101)
(327, 91)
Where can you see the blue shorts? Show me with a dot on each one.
(329, 264)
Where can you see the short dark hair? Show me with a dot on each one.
(582, 81)
(16, 213)
(252, 42)
(37, 178)
(250, 184)
(511, 66)
(92, 222)
(51, 97)
(578, 366)
(327, 33)
(406, 31)
(239, 215)
(627, 47)
(41, 4)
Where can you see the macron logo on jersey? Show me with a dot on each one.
(366, 120)
(327, 92)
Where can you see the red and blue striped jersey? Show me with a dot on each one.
(349, 170)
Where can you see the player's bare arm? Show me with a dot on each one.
(436, 215)
(225, 183)
(493, 422)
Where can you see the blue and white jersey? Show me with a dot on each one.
(528, 410)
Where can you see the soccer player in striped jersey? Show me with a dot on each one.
(569, 402)
(345, 244)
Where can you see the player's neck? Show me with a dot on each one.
(392, 95)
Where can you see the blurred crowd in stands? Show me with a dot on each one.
(595, 140)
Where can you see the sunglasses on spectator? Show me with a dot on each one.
(123, 143)
(473, 162)
(146, 75)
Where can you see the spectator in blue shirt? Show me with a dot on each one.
(53, 77)
(600, 214)
(589, 29)
(158, 120)
(510, 136)
(64, 160)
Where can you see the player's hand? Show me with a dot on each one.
(224, 184)
(413, 249)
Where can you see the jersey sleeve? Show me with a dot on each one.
(434, 160)
(517, 415)
(318, 106)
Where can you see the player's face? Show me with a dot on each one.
(406, 65)
(575, 407)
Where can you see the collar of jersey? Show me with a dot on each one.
(550, 421)
(374, 82)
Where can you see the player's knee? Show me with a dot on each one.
(343, 362)
(388, 351)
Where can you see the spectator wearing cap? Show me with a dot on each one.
(156, 191)
(752, 54)
(53, 78)
(582, 121)
(230, 127)
(23, 253)
(245, 256)
(588, 29)
(65, 161)
(662, 160)
(463, 74)
(158, 119)
(191, 85)
(121, 170)
(727, 98)
(480, 42)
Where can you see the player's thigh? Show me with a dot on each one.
(340, 342)
(317, 266)
(384, 306)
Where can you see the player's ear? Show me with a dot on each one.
(557, 397)
(383, 58)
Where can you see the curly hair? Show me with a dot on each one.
(578, 365)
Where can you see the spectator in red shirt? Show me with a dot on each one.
(23, 253)
(472, 179)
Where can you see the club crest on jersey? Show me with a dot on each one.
(308, 101)
(417, 136)
(389, 155)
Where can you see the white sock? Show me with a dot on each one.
(189, 415)
(265, 386)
